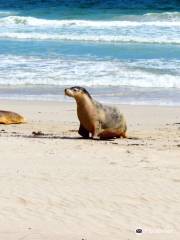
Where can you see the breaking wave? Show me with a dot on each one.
(52, 71)
(151, 19)
(143, 31)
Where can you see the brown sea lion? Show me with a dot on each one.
(97, 119)
(7, 117)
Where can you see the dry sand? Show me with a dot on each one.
(58, 186)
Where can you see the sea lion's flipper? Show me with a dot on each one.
(111, 133)
(83, 132)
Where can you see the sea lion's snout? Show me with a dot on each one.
(76, 92)
(68, 92)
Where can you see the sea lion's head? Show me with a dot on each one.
(76, 92)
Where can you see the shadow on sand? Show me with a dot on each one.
(41, 135)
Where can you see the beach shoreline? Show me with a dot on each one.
(57, 185)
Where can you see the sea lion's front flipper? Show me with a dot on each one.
(83, 132)
(111, 133)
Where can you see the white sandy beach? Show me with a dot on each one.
(58, 186)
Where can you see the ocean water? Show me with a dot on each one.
(121, 51)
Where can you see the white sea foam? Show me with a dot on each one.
(35, 71)
(31, 21)
(93, 38)
(16, 27)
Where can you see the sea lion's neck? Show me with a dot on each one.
(84, 101)
(86, 112)
(85, 108)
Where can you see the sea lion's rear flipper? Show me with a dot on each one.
(83, 132)
(111, 133)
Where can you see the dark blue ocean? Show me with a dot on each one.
(124, 51)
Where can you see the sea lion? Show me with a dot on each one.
(97, 119)
(7, 117)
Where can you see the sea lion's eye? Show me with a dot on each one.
(75, 89)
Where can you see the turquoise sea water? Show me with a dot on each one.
(121, 51)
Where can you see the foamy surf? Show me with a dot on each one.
(142, 31)
(114, 48)
(93, 38)
(143, 21)
(60, 71)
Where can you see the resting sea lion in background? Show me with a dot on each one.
(7, 117)
(100, 120)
